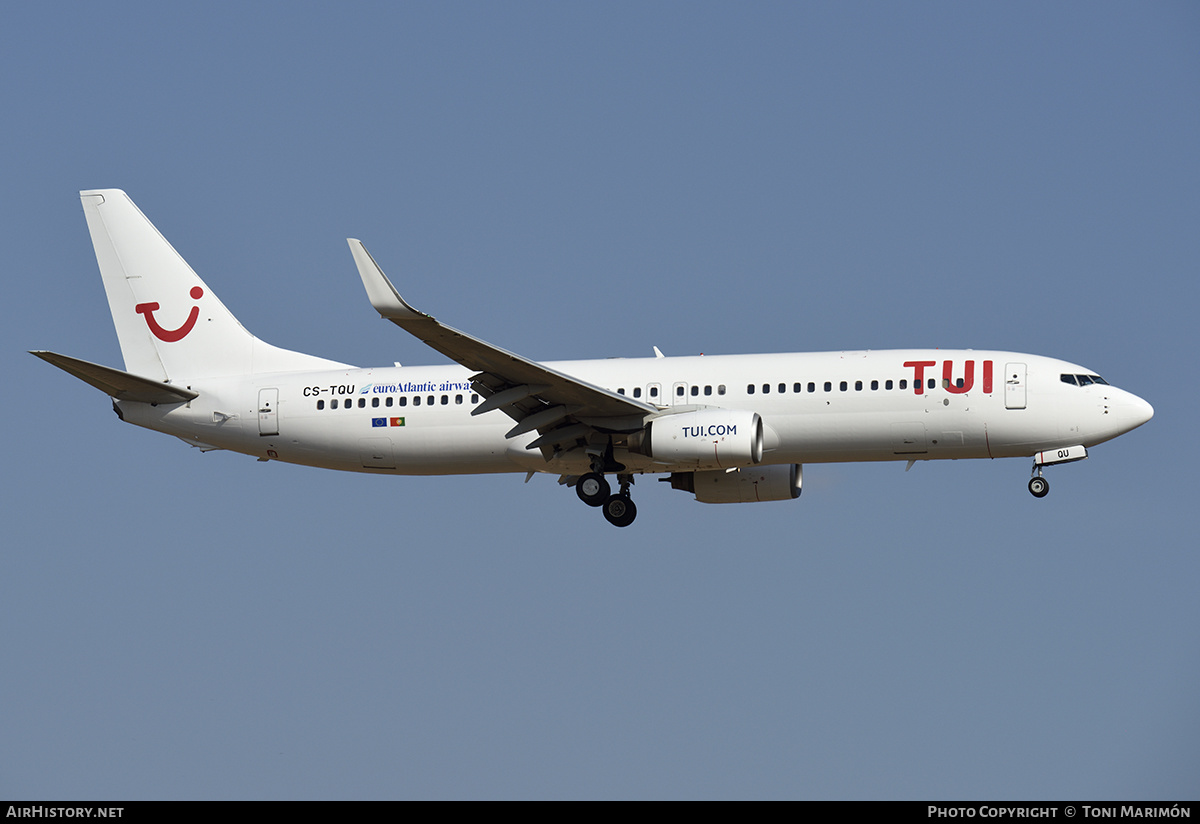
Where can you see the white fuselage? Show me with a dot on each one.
(815, 408)
(728, 429)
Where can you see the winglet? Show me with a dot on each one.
(380, 291)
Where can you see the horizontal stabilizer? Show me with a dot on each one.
(121, 385)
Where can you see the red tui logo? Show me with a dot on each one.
(170, 335)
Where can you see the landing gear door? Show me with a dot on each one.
(268, 412)
(1014, 386)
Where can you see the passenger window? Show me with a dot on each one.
(797, 388)
(375, 401)
(654, 391)
(887, 385)
(874, 385)
(842, 386)
(362, 403)
(458, 399)
(429, 401)
(750, 389)
(828, 386)
(904, 383)
(416, 400)
(708, 390)
(445, 400)
(333, 404)
(403, 400)
(620, 391)
(637, 391)
(388, 401)
(766, 388)
(932, 383)
(320, 404)
(721, 389)
(812, 387)
(782, 388)
(695, 391)
(679, 391)
(858, 386)
(474, 398)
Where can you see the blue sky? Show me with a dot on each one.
(573, 181)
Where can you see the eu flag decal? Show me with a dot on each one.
(378, 421)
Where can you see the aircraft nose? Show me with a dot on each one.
(1142, 411)
(1136, 411)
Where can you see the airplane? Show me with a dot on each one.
(725, 428)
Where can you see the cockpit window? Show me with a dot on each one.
(1083, 380)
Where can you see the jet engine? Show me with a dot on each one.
(778, 482)
(706, 437)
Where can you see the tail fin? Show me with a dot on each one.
(169, 323)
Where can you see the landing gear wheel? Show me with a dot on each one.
(619, 510)
(1039, 487)
(592, 489)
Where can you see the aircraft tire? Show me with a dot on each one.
(1039, 487)
(619, 510)
(593, 489)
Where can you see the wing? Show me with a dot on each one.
(563, 409)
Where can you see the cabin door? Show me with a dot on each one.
(1014, 386)
(268, 411)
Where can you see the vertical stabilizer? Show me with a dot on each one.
(169, 323)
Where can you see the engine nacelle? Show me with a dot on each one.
(706, 437)
(778, 482)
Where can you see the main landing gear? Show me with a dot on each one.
(593, 490)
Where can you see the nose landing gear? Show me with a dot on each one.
(1039, 487)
